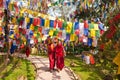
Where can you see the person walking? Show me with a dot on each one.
(60, 53)
(28, 50)
(51, 55)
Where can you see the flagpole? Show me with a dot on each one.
(6, 34)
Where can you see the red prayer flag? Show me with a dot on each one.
(40, 29)
(55, 23)
(1, 3)
(35, 22)
(60, 24)
(16, 7)
(86, 24)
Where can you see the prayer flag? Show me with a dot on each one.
(31, 27)
(16, 7)
(116, 60)
(51, 33)
(27, 19)
(36, 28)
(76, 25)
(1, 3)
(47, 22)
(86, 32)
(67, 37)
(101, 26)
(119, 2)
(89, 42)
(91, 26)
(86, 24)
(69, 27)
(81, 27)
(55, 24)
(97, 33)
(72, 37)
(64, 24)
(42, 22)
(59, 24)
(35, 21)
(51, 23)
(92, 33)
(96, 27)
(55, 33)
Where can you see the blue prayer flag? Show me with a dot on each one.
(52, 23)
(42, 22)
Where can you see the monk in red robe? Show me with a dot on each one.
(27, 51)
(51, 55)
(59, 51)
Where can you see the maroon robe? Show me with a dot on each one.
(51, 55)
(59, 51)
(27, 51)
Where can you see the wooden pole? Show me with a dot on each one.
(6, 34)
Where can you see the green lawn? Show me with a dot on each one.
(16, 69)
(85, 72)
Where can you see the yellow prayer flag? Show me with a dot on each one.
(47, 23)
(30, 11)
(16, 31)
(39, 4)
(116, 60)
(24, 42)
(0, 32)
(23, 38)
(35, 34)
(51, 33)
(31, 27)
(118, 2)
(14, 20)
(96, 27)
(10, 6)
(69, 27)
(72, 37)
(27, 19)
(118, 70)
(15, 26)
(12, 36)
(92, 33)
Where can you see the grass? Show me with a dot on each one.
(83, 71)
(16, 69)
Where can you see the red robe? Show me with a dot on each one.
(51, 55)
(27, 51)
(92, 61)
(59, 51)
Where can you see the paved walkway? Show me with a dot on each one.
(42, 68)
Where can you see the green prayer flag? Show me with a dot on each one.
(97, 33)
(91, 26)
(36, 28)
(64, 24)
(19, 19)
(55, 33)
(72, 30)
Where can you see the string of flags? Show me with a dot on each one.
(36, 28)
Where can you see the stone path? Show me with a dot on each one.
(42, 68)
